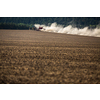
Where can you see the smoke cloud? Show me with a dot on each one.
(69, 30)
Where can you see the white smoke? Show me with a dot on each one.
(69, 30)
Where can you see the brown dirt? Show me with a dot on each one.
(28, 56)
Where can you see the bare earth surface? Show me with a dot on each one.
(28, 56)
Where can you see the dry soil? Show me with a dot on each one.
(28, 56)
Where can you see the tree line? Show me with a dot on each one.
(28, 22)
(13, 26)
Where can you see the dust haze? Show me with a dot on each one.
(54, 27)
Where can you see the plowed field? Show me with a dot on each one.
(28, 56)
